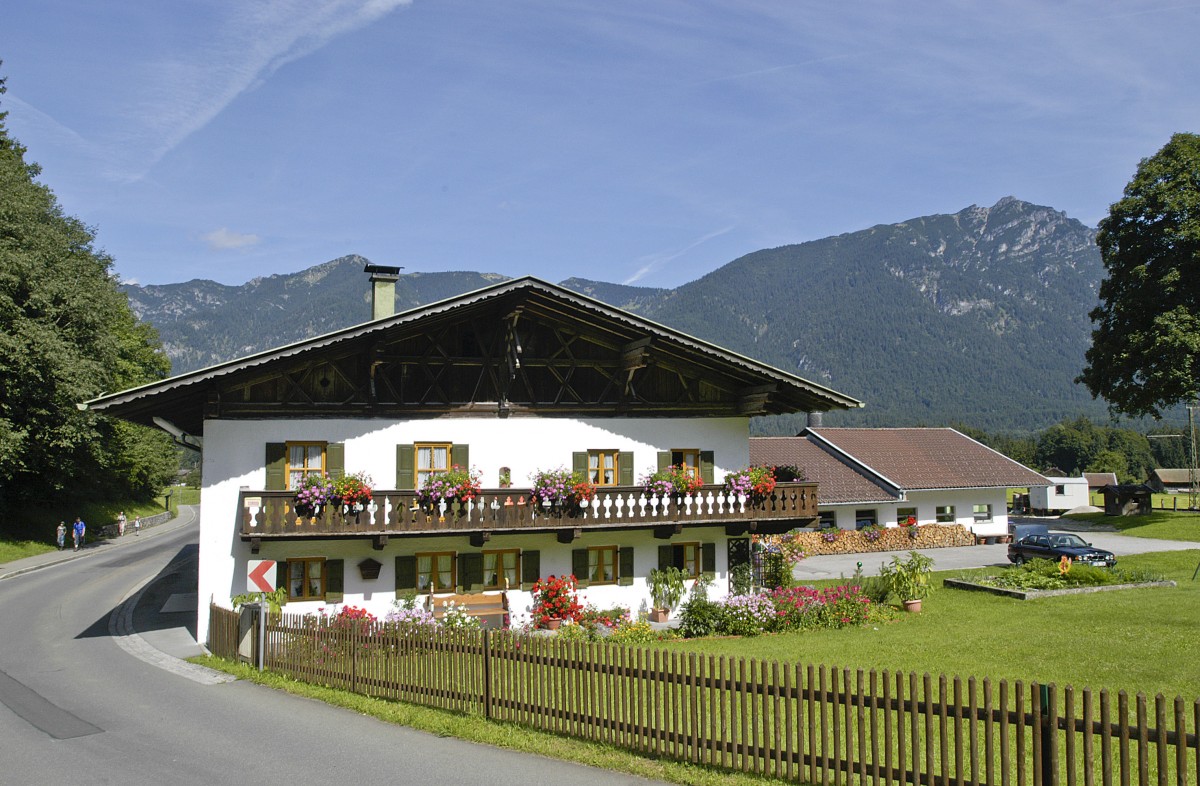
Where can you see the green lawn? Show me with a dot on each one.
(11, 550)
(1159, 524)
(1133, 640)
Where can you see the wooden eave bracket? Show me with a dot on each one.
(569, 535)
(753, 401)
(379, 541)
(480, 538)
(668, 531)
(255, 545)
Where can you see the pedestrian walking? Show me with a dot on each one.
(137, 525)
(78, 531)
(120, 524)
(61, 535)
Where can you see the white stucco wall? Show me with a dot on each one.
(927, 503)
(1074, 494)
(234, 457)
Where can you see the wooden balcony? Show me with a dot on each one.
(270, 515)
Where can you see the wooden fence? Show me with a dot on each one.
(812, 724)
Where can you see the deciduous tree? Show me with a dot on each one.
(1145, 353)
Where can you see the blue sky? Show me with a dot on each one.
(636, 142)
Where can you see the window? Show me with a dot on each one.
(982, 513)
(944, 514)
(501, 569)
(687, 559)
(435, 572)
(687, 458)
(304, 459)
(602, 564)
(306, 578)
(602, 467)
(431, 459)
(1060, 490)
(828, 519)
(865, 518)
(906, 517)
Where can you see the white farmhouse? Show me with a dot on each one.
(891, 476)
(511, 379)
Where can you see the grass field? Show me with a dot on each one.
(1160, 524)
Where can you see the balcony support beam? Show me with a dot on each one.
(569, 535)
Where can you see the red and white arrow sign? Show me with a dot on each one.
(260, 575)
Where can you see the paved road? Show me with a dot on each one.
(79, 703)
(833, 566)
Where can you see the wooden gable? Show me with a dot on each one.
(522, 347)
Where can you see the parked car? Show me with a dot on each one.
(1055, 546)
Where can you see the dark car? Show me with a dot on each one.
(1055, 546)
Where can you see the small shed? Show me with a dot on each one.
(1062, 495)
(1126, 499)
(1098, 480)
(1170, 481)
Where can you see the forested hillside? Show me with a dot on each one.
(977, 318)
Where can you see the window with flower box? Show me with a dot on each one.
(906, 517)
(604, 467)
(698, 463)
(288, 463)
(418, 461)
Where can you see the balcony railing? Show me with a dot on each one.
(272, 514)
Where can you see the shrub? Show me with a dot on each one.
(741, 578)
(747, 615)
(638, 632)
(777, 569)
(700, 616)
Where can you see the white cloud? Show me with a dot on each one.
(653, 262)
(183, 95)
(225, 240)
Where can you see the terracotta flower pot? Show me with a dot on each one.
(913, 606)
(660, 615)
(551, 623)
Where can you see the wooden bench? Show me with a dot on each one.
(490, 607)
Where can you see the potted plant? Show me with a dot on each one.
(560, 491)
(674, 481)
(555, 599)
(753, 483)
(666, 590)
(908, 579)
(353, 491)
(312, 495)
(455, 486)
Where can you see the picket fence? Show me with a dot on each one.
(805, 723)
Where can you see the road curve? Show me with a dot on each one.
(76, 705)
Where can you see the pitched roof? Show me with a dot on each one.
(926, 458)
(621, 344)
(838, 482)
(1098, 480)
(1181, 477)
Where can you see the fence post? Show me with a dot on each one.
(1047, 733)
(487, 675)
(354, 631)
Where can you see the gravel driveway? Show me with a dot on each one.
(833, 566)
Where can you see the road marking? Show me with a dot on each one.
(40, 713)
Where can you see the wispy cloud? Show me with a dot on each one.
(225, 240)
(185, 94)
(653, 262)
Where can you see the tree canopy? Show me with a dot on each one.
(1145, 351)
(67, 334)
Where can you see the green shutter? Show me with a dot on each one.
(276, 466)
(470, 572)
(406, 575)
(531, 568)
(281, 580)
(625, 566)
(579, 462)
(664, 459)
(625, 468)
(579, 566)
(406, 473)
(707, 460)
(708, 558)
(666, 557)
(335, 459)
(461, 455)
(678, 554)
(334, 580)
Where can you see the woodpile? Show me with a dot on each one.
(929, 536)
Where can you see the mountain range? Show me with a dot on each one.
(977, 318)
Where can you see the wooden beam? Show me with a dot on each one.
(255, 545)
(668, 531)
(480, 538)
(569, 535)
(379, 542)
(753, 401)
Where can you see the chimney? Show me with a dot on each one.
(814, 419)
(383, 289)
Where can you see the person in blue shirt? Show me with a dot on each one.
(78, 531)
